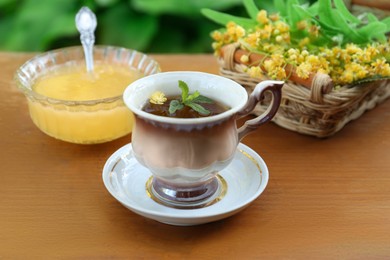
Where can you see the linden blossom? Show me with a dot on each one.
(303, 40)
(158, 98)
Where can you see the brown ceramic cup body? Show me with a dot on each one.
(185, 154)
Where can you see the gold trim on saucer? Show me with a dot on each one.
(252, 159)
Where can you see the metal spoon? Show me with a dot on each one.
(86, 25)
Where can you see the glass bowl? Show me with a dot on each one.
(87, 121)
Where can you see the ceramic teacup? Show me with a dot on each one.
(185, 154)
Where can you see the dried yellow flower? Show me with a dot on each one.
(235, 31)
(271, 38)
(217, 35)
(302, 25)
(244, 58)
(255, 72)
(282, 27)
(253, 39)
(274, 17)
(279, 38)
(262, 17)
(303, 70)
(158, 98)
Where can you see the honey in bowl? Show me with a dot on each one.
(74, 83)
(69, 103)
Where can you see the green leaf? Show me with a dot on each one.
(346, 28)
(6, 25)
(340, 5)
(379, 37)
(184, 90)
(371, 18)
(106, 3)
(193, 96)
(61, 26)
(121, 26)
(325, 12)
(280, 5)
(189, 8)
(203, 99)
(34, 26)
(268, 5)
(331, 17)
(187, 36)
(5, 2)
(387, 22)
(373, 30)
(302, 12)
(251, 8)
(313, 9)
(223, 19)
(198, 108)
(292, 17)
(329, 28)
(305, 13)
(174, 106)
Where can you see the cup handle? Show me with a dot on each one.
(255, 97)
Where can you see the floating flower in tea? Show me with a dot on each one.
(158, 98)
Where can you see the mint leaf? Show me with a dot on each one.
(198, 108)
(189, 100)
(202, 99)
(174, 106)
(184, 90)
(193, 96)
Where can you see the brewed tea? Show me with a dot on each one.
(213, 107)
(187, 105)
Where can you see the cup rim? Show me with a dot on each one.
(29, 92)
(139, 83)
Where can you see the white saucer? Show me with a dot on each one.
(246, 177)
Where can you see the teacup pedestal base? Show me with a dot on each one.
(187, 196)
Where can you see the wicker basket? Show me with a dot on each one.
(316, 110)
(380, 8)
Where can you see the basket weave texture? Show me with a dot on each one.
(311, 111)
(380, 8)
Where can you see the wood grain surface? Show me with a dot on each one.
(326, 198)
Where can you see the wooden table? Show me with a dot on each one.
(326, 198)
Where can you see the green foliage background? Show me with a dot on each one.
(152, 26)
